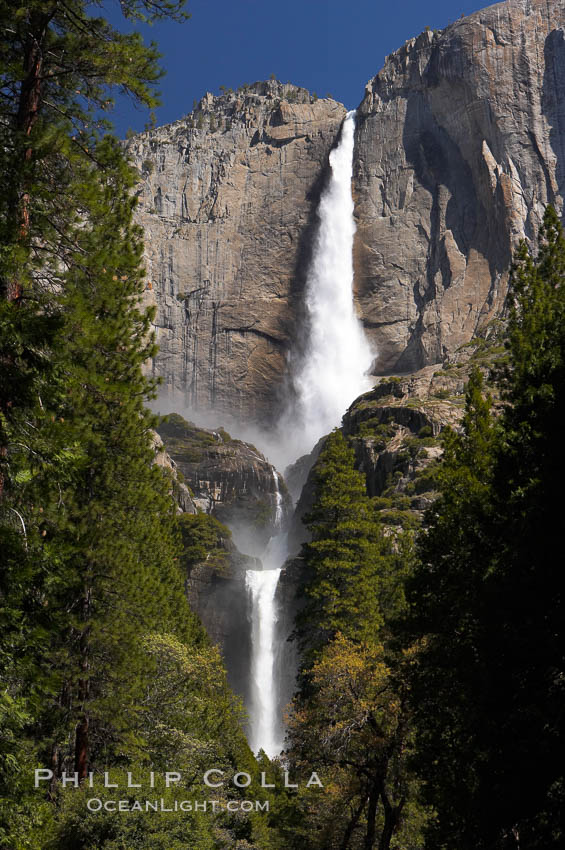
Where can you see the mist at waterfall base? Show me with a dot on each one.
(327, 372)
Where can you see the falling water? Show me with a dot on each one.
(333, 370)
(264, 723)
(331, 374)
(278, 501)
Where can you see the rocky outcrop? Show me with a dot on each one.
(227, 199)
(460, 145)
(180, 492)
(215, 587)
(219, 597)
(228, 478)
(395, 430)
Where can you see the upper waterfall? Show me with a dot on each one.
(333, 369)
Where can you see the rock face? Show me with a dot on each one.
(227, 201)
(220, 599)
(460, 145)
(228, 478)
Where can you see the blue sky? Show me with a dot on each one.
(327, 46)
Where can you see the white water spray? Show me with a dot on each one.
(333, 370)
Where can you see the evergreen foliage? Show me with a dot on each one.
(447, 597)
(204, 539)
(347, 567)
(59, 64)
(103, 664)
(349, 718)
(487, 597)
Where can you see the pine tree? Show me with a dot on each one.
(348, 718)
(119, 539)
(59, 64)
(526, 604)
(345, 564)
(99, 518)
(447, 598)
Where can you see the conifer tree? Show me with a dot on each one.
(447, 599)
(345, 564)
(526, 604)
(349, 718)
(119, 540)
(101, 542)
(59, 65)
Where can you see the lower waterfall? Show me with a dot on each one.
(265, 732)
(265, 725)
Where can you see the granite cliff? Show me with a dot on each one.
(226, 200)
(460, 143)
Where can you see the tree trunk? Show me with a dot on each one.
(351, 825)
(82, 728)
(81, 747)
(388, 828)
(370, 835)
(392, 818)
(55, 767)
(29, 106)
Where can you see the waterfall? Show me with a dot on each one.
(264, 723)
(337, 356)
(278, 501)
(331, 373)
